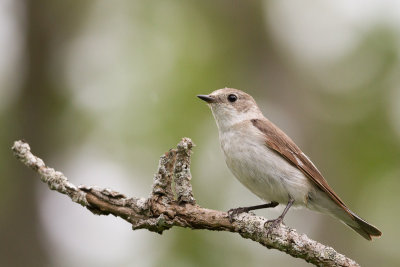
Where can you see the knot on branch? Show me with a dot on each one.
(158, 224)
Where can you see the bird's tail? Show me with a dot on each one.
(359, 225)
(326, 205)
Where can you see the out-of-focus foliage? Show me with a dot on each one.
(100, 89)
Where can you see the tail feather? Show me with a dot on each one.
(323, 203)
(365, 229)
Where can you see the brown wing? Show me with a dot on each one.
(277, 140)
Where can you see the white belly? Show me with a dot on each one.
(263, 171)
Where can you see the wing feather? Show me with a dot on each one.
(278, 141)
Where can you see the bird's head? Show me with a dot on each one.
(231, 106)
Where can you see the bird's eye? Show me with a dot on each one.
(232, 98)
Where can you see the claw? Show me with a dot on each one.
(233, 212)
(272, 224)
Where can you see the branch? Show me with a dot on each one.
(171, 203)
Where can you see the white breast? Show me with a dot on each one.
(261, 170)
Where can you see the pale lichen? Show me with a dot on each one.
(183, 187)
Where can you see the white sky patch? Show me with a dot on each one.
(96, 65)
(11, 45)
(79, 238)
(317, 32)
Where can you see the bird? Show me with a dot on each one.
(267, 161)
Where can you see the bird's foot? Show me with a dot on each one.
(272, 224)
(233, 212)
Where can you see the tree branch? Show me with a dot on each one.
(171, 203)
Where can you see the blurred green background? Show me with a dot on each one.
(100, 89)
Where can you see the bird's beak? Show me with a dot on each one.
(207, 98)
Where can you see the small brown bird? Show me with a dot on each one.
(265, 160)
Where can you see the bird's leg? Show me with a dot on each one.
(274, 223)
(233, 212)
